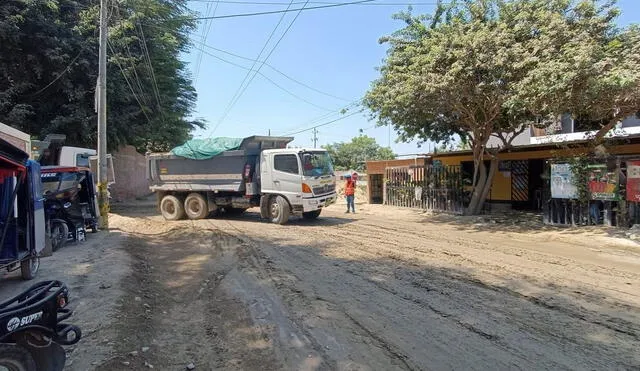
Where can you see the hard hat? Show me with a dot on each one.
(347, 175)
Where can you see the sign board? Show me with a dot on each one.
(633, 181)
(562, 183)
(602, 183)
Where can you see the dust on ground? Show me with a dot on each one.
(384, 288)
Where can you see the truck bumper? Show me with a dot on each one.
(315, 203)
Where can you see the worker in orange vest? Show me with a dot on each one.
(350, 193)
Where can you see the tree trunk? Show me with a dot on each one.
(493, 168)
(600, 134)
(480, 181)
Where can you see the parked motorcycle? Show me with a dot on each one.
(32, 331)
(70, 203)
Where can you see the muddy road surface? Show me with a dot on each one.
(384, 289)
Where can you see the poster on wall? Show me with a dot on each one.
(633, 181)
(562, 185)
(602, 183)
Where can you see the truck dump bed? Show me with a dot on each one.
(224, 172)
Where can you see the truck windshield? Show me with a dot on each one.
(316, 164)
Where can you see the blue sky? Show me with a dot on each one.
(333, 50)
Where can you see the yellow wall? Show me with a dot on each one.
(501, 186)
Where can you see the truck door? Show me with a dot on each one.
(286, 176)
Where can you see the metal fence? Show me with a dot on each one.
(430, 188)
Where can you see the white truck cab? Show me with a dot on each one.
(304, 176)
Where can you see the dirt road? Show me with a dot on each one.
(383, 289)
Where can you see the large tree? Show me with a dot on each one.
(468, 70)
(48, 71)
(352, 155)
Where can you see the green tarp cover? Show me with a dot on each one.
(202, 149)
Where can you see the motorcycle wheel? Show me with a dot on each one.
(15, 358)
(59, 235)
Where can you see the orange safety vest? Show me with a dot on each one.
(350, 188)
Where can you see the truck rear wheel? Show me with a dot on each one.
(196, 206)
(171, 208)
(279, 210)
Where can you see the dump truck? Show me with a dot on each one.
(258, 172)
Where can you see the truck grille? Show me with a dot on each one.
(324, 189)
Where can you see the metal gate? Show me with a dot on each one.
(434, 188)
(519, 181)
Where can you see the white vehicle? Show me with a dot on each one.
(261, 173)
(52, 152)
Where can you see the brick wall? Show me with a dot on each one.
(130, 171)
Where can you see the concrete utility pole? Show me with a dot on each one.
(315, 137)
(103, 198)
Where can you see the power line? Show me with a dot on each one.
(271, 67)
(270, 53)
(153, 75)
(326, 116)
(239, 91)
(128, 83)
(375, 3)
(137, 79)
(323, 124)
(266, 78)
(205, 34)
(62, 73)
(276, 11)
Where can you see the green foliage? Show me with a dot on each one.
(49, 63)
(352, 155)
(580, 171)
(482, 68)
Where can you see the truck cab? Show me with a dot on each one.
(305, 177)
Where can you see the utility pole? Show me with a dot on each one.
(315, 137)
(103, 198)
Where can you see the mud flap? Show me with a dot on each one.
(49, 358)
(264, 206)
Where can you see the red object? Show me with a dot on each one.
(633, 181)
(350, 188)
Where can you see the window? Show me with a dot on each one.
(286, 163)
(82, 160)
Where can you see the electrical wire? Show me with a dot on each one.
(275, 70)
(62, 73)
(155, 89)
(265, 77)
(267, 57)
(205, 34)
(233, 100)
(323, 124)
(276, 11)
(376, 3)
(129, 84)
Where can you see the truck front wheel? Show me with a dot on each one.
(196, 206)
(171, 208)
(279, 210)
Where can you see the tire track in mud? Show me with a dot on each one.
(618, 325)
(547, 330)
(175, 306)
(291, 294)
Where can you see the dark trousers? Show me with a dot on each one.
(351, 203)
